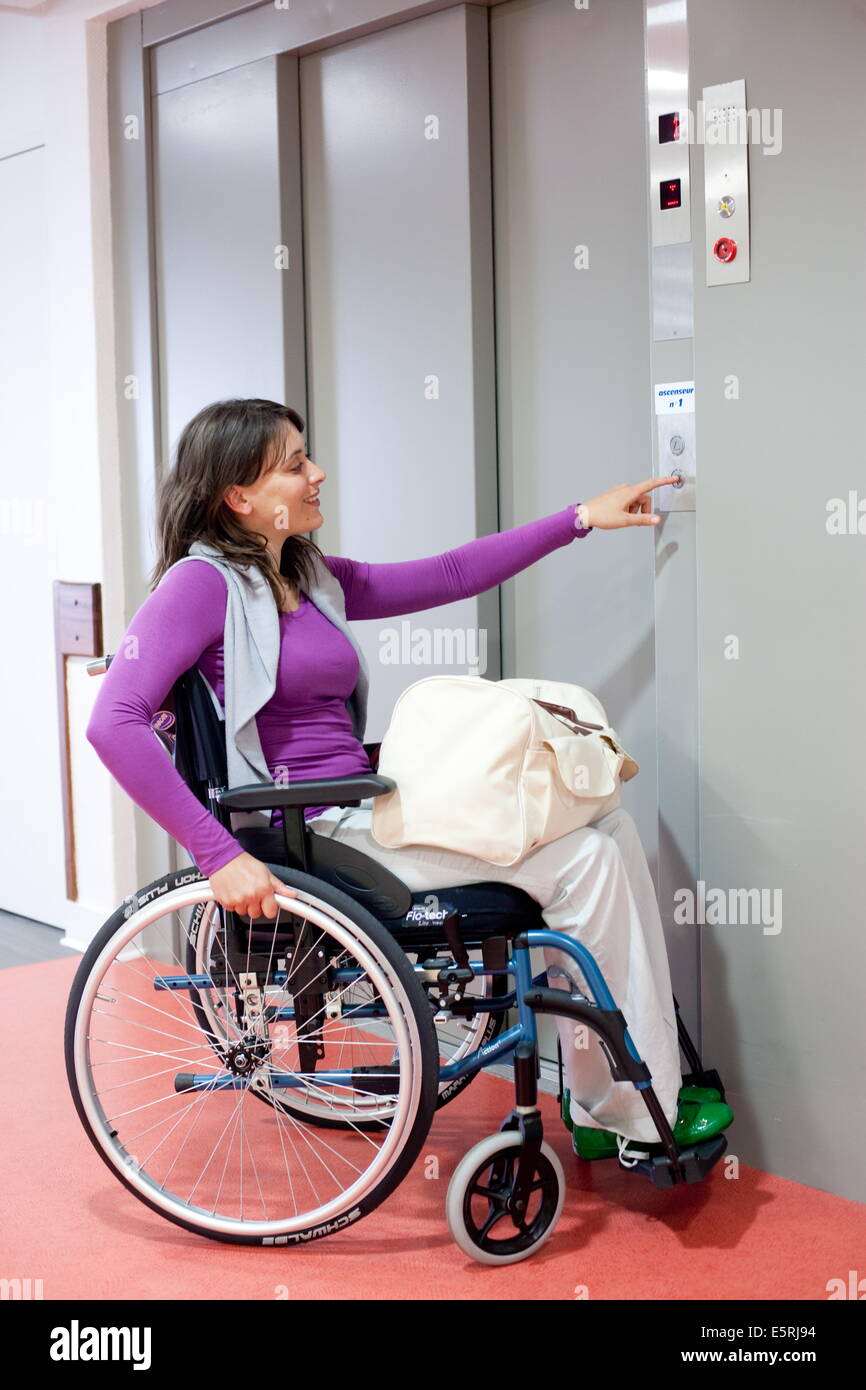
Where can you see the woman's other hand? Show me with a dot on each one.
(246, 885)
(625, 505)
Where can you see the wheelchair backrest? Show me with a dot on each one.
(199, 751)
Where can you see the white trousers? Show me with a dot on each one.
(593, 883)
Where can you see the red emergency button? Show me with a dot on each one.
(725, 249)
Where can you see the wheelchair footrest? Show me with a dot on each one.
(696, 1162)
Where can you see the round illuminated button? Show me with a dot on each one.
(725, 249)
(727, 206)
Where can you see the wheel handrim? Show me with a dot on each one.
(189, 1047)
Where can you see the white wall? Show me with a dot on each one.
(58, 449)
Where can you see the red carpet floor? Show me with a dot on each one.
(67, 1221)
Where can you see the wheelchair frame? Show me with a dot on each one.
(473, 916)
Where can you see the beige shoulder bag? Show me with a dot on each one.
(494, 769)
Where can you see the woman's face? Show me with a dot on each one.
(284, 500)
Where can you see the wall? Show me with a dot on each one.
(781, 712)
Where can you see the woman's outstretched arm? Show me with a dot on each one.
(174, 625)
(408, 586)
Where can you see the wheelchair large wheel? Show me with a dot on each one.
(456, 1037)
(167, 1102)
(480, 1201)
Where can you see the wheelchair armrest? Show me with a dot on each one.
(325, 791)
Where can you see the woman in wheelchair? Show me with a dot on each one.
(236, 510)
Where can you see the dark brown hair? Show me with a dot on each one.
(228, 442)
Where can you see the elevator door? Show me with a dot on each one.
(397, 224)
(428, 185)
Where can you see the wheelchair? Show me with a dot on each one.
(271, 1081)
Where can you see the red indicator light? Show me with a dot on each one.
(669, 127)
(670, 195)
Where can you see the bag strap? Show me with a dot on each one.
(581, 726)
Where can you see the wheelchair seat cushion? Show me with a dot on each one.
(485, 908)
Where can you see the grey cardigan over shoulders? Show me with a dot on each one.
(251, 653)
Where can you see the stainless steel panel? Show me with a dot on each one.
(676, 668)
(667, 79)
(726, 183)
(673, 291)
(675, 427)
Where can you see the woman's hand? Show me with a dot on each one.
(246, 885)
(625, 505)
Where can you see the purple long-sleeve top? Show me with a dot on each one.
(305, 728)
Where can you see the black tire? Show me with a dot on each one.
(397, 965)
(491, 1168)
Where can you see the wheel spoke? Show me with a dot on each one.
(495, 1214)
(227, 1148)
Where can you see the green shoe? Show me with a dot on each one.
(699, 1093)
(699, 1119)
(588, 1142)
(701, 1114)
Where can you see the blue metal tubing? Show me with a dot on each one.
(524, 1030)
(285, 1015)
(284, 1080)
(588, 965)
(503, 1001)
(485, 1056)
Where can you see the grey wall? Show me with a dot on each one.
(782, 754)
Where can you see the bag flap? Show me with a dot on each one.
(586, 706)
(586, 766)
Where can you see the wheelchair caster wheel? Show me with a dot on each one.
(478, 1204)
